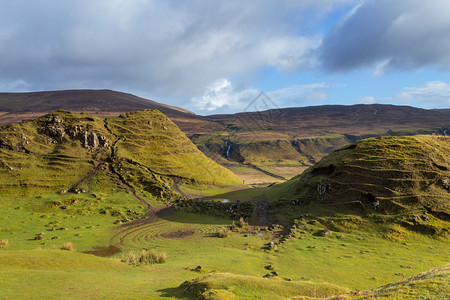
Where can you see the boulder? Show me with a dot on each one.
(325, 232)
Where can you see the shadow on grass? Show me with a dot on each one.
(174, 293)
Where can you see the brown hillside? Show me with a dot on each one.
(15, 107)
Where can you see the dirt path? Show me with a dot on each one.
(97, 166)
(262, 214)
(176, 186)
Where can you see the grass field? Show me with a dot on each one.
(190, 240)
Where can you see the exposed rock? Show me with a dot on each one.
(323, 188)
(325, 232)
(54, 128)
(271, 274)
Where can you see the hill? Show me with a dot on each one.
(261, 147)
(142, 150)
(400, 184)
(274, 145)
(14, 107)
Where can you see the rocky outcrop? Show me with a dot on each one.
(56, 128)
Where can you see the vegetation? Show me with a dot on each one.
(378, 207)
(146, 257)
(4, 243)
(231, 286)
(433, 284)
(67, 246)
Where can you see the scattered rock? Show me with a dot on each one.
(425, 217)
(325, 232)
(272, 245)
(270, 267)
(271, 274)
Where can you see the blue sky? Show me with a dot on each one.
(216, 57)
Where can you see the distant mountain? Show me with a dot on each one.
(326, 119)
(15, 107)
(262, 147)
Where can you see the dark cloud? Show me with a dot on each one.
(401, 34)
(166, 48)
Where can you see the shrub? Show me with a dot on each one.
(130, 258)
(146, 257)
(4, 243)
(242, 222)
(223, 233)
(67, 246)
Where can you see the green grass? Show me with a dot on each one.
(366, 248)
(231, 286)
(23, 219)
(433, 284)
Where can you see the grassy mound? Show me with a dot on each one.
(390, 175)
(64, 151)
(433, 284)
(231, 286)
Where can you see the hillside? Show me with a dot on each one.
(399, 183)
(14, 107)
(142, 150)
(260, 147)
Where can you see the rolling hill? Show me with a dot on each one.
(141, 150)
(261, 147)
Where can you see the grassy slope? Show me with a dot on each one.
(376, 250)
(33, 161)
(433, 284)
(152, 140)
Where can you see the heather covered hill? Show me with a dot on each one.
(15, 107)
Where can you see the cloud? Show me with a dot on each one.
(221, 96)
(299, 95)
(393, 35)
(171, 49)
(367, 100)
(431, 94)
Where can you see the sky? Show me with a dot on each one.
(217, 56)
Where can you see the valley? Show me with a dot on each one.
(283, 211)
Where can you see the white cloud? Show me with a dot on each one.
(432, 94)
(299, 95)
(367, 100)
(221, 95)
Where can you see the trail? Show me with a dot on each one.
(262, 214)
(97, 166)
(176, 186)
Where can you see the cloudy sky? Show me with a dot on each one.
(215, 57)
